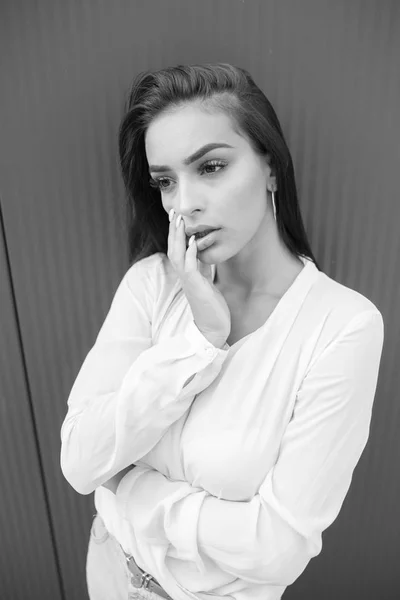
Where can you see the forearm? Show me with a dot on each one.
(117, 416)
(245, 539)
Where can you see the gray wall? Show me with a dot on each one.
(331, 71)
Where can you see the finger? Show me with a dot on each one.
(171, 237)
(191, 257)
(180, 243)
(175, 254)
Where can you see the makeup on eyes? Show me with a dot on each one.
(215, 162)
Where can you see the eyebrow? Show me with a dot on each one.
(193, 157)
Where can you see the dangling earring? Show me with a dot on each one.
(273, 204)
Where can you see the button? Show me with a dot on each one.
(210, 352)
(133, 596)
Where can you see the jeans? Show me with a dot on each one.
(107, 573)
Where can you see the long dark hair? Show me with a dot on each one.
(219, 86)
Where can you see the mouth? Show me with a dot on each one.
(202, 234)
(204, 239)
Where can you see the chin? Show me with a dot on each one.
(208, 260)
(212, 256)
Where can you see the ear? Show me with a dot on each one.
(271, 182)
(272, 185)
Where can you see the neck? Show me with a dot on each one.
(263, 266)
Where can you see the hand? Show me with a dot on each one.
(210, 310)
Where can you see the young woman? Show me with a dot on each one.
(227, 399)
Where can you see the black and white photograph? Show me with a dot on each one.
(200, 292)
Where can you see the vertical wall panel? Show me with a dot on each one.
(25, 528)
(330, 70)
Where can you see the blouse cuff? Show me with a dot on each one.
(202, 344)
(184, 538)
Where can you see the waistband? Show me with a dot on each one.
(141, 579)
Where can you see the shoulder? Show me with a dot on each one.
(156, 270)
(338, 299)
(147, 265)
(332, 309)
(152, 279)
(155, 285)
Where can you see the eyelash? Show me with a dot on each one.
(156, 183)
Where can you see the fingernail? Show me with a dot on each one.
(179, 219)
(171, 214)
(191, 240)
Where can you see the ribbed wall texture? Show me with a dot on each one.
(330, 68)
(28, 566)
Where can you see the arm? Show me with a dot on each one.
(128, 391)
(271, 538)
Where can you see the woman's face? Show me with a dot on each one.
(224, 188)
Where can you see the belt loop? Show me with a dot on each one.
(146, 580)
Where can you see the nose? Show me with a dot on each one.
(187, 200)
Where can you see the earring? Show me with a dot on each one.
(273, 204)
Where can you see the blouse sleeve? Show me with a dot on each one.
(271, 538)
(129, 391)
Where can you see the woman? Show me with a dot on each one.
(227, 399)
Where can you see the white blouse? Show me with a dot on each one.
(240, 471)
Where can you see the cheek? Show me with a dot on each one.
(245, 198)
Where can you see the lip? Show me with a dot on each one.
(207, 240)
(199, 229)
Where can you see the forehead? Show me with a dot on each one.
(176, 134)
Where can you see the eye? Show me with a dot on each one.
(158, 183)
(212, 164)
